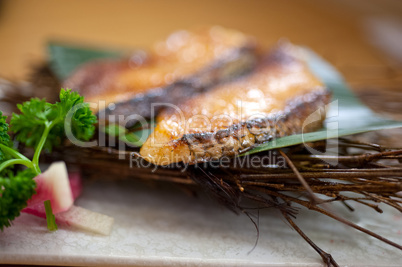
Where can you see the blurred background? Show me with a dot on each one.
(362, 38)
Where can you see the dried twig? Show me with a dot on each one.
(326, 257)
(313, 197)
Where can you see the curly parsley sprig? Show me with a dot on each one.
(40, 125)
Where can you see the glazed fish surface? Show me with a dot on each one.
(185, 64)
(271, 102)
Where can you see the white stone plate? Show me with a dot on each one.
(166, 227)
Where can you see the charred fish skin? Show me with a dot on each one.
(186, 64)
(282, 78)
(241, 137)
(238, 64)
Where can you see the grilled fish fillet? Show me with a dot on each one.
(271, 102)
(185, 64)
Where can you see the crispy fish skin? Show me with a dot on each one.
(186, 64)
(275, 100)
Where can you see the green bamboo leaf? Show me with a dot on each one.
(64, 59)
(134, 137)
(346, 112)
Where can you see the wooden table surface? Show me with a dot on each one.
(361, 38)
(349, 34)
(334, 29)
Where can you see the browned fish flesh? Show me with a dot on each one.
(271, 102)
(185, 64)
